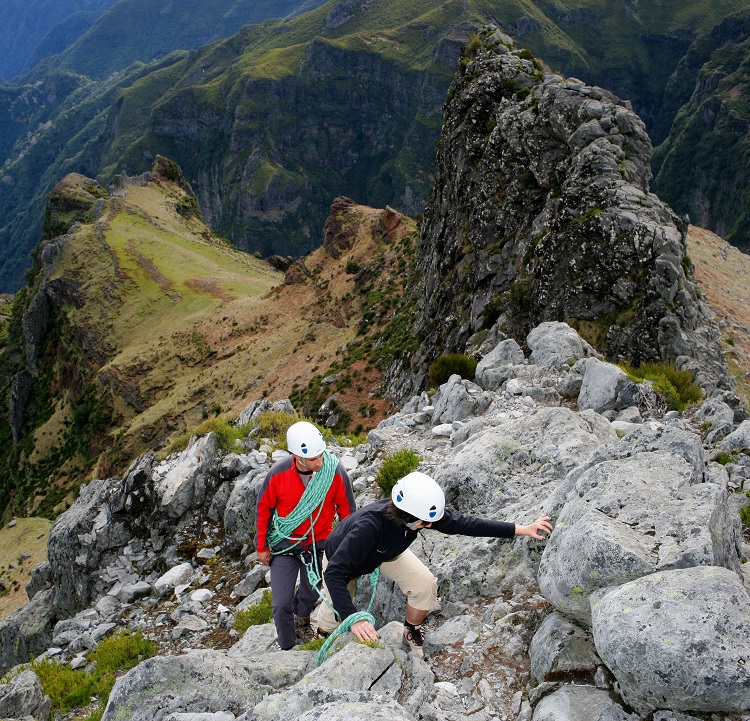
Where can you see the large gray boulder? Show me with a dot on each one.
(556, 438)
(458, 399)
(27, 631)
(22, 696)
(739, 438)
(201, 681)
(239, 514)
(606, 387)
(496, 367)
(344, 678)
(556, 345)
(678, 640)
(187, 483)
(573, 703)
(631, 517)
(561, 649)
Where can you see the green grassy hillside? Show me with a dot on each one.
(25, 23)
(701, 168)
(155, 326)
(144, 30)
(271, 124)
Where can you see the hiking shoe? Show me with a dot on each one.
(303, 630)
(414, 638)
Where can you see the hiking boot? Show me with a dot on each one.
(303, 630)
(414, 637)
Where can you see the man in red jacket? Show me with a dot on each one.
(281, 496)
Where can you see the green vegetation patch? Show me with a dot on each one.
(255, 615)
(677, 387)
(395, 467)
(451, 364)
(70, 689)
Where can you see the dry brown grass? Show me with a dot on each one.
(723, 274)
(28, 537)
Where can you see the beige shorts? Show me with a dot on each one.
(411, 575)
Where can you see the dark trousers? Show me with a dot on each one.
(286, 601)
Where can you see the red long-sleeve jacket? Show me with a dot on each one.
(282, 490)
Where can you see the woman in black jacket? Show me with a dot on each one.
(379, 535)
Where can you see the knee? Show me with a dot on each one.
(423, 594)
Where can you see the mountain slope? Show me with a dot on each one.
(701, 167)
(139, 324)
(274, 122)
(24, 24)
(144, 30)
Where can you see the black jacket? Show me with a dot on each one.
(364, 540)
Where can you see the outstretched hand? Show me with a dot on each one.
(535, 529)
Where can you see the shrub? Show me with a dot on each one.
(676, 387)
(273, 425)
(258, 613)
(447, 365)
(315, 645)
(122, 651)
(745, 515)
(394, 467)
(352, 267)
(69, 689)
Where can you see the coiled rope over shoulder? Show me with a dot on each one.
(282, 528)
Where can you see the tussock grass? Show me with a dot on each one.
(677, 387)
(447, 365)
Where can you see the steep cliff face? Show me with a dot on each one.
(542, 211)
(701, 166)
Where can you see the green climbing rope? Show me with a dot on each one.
(312, 499)
(349, 621)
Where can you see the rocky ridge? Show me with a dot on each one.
(541, 211)
(635, 609)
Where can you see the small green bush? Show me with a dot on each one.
(745, 515)
(352, 267)
(394, 467)
(122, 651)
(447, 365)
(258, 613)
(273, 425)
(69, 689)
(677, 387)
(315, 645)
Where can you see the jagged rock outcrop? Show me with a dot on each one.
(541, 211)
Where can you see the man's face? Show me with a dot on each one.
(310, 464)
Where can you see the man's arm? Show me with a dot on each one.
(263, 512)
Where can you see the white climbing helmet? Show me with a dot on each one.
(305, 440)
(418, 494)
